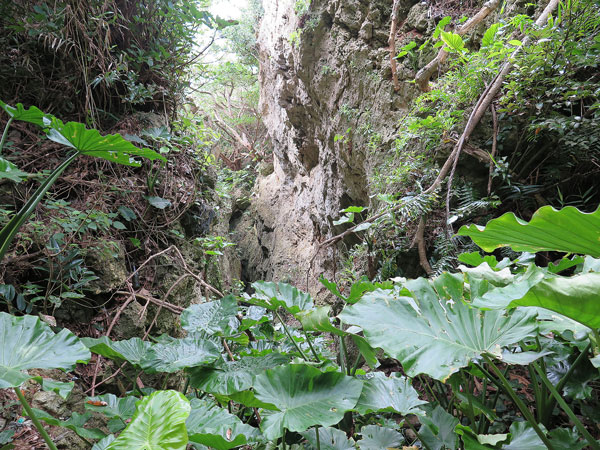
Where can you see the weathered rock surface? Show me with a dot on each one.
(330, 107)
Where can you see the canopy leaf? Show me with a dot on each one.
(329, 439)
(132, 350)
(376, 438)
(393, 394)
(112, 406)
(32, 114)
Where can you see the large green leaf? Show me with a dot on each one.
(272, 296)
(104, 443)
(210, 425)
(357, 289)
(305, 397)
(453, 41)
(133, 350)
(228, 377)
(10, 171)
(393, 394)
(318, 319)
(438, 430)
(28, 343)
(566, 230)
(329, 439)
(158, 424)
(180, 354)
(431, 330)
(32, 115)
(112, 406)
(112, 147)
(378, 438)
(523, 436)
(574, 297)
(212, 317)
(75, 423)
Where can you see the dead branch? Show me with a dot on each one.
(420, 241)
(494, 147)
(424, 75)
(168, 306)
(392, 43)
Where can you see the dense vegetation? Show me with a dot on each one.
(497, 347)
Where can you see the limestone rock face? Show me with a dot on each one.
(328, 102)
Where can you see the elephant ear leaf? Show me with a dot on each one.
(305, 397)
(158, 424)
(32, 115)
(567, 230)
(429, 332)
(10, 171)
(112, 147)
(272, 295)
(28, 343)
(212, 426)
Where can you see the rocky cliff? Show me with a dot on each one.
(330, 107)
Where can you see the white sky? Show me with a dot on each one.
(228, 9)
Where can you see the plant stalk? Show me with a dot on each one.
(318, 438)
(35, 420)
(312, 349)
(344, 356)
(5, 134)
(285, 328)
(8, 233)
(412, 427)
(551, 401)
(519, 403)
(565, 407)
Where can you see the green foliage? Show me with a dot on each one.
(304, 396)
(567, 230)
(84, 141)
(101, 58)
(28, 343)
(149, 430)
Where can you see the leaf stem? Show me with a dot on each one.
(551, 401)
(412, 427)
(519, 403)
(318, 437)
(359, 359)
(470, 410)
(565, 407)
(35, 420)
(312, 349)
(9, 231)
(344, 356)
(290, 336)
(5, 133)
